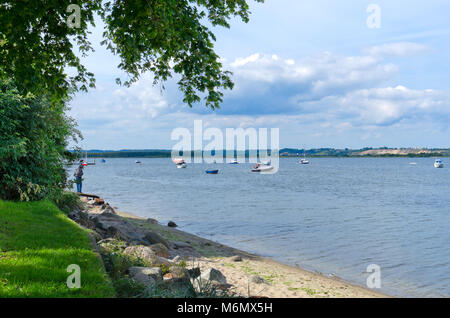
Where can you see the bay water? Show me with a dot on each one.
(335, 216)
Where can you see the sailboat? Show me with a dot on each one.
(86, 162)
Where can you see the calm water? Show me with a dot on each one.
(335, 216)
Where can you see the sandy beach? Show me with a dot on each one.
(250, 275)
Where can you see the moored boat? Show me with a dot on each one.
(261, 168)
(438, 163)
(178, 161)
(304, 162)
(215, 171)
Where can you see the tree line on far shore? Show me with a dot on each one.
(285, 152)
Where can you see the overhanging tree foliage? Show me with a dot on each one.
(39, 43)
(160, 36)
(34, 136)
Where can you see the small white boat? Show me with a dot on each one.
(413, 163)
(261, 168)
(178, 161)
(234, 162)
(304, 162)
(137, 161)
(438, 163)
(181, 165)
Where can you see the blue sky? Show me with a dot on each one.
(313, 69)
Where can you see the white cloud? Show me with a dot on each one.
(317, 75)
(387, 105)
(242, 61)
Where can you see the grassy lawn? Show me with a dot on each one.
(37, 244)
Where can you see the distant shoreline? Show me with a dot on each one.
(283, 153)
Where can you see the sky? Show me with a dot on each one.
(317, 70)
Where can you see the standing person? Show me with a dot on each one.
(78, 174)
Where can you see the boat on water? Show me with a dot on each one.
(215, 171)
(180, 163)
(137, 161)
(259, 167)
(103, 160)
(86, 162)
(234, 162)
(304, 162)
(438, 163)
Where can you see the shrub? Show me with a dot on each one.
(34, 135)
(66, 201)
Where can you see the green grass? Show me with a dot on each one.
(37, 244)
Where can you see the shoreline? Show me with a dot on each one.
(279, 280)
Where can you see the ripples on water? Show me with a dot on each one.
(334, 215)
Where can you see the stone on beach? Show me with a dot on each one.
(257, 280)
(235, 258)
(82, 218)
(106, 208)
(99, 201)
(212, 274)
(177, 245)
(176, 274)
(111, 244)
(160, 250)
(172, 224)
(142, 278)
(96, 201)
(112, 225)
(155, 238)
(154, 273)
(146, 254)
(152, 221)
(211, 279)
(171, 277)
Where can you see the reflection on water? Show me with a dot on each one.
(334, 215)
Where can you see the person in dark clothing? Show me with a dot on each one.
(78, 177)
